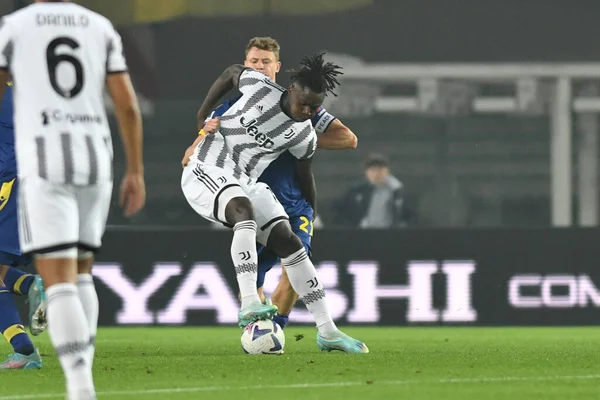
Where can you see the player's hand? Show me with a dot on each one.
(186, 157)
(212, 125)
(133, 193)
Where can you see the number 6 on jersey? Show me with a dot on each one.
(54, 59)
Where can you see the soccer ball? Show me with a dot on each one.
(263, 337)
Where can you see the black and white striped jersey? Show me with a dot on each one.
(255, 131)
(59, 55)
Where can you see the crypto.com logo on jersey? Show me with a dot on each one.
(354, 293)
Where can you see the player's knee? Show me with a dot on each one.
(239, 209)
(283, 242)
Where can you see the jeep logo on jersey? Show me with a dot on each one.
(260, 138)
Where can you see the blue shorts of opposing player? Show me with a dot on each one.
(303, 227)
(10, 250)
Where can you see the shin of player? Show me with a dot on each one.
(302, 275)
(303, 278)
(239, 213)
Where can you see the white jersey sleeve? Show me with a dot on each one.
(6, 43)
(304, 144)
(115, 61)
(252, 80)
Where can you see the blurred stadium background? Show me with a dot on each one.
(469, 152)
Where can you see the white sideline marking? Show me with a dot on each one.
(313, 386)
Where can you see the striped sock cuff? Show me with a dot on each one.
(245, 225)
(295, 259)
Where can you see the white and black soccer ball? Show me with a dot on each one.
(263, 337)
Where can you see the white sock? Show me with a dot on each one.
(70, 336)
(303, 277)
(245, 260)
(89, 301)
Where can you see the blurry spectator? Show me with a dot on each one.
(376, 201)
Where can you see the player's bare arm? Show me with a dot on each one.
(337, 136)
(224, 83)
(133, 190)
(306, 180)
(228, 80)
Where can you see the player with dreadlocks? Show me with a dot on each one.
(220, 181)
(262, 54)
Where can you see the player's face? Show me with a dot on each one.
(304, 103)
(263, 61)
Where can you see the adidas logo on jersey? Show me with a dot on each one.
(260, 138)
(259, 108)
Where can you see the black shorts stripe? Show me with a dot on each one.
(207, 184)
(209, 179)
(87, 247)
(216, 208)
(205, 179)
(119, 71)
(51, 249)
(271, 222)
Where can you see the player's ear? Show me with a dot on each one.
(278, 67)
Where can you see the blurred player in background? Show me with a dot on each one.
(13, 280)
(61, 56)
(262, 54)
(221, 182)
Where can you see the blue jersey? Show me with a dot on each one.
(8, 162)
(10, 251)
(280, 175)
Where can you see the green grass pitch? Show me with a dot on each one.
(404, 363)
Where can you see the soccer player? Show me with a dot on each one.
(13, 280)
(61, 56)
(262, 54)
(220, 182)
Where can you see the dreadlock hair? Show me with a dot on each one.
(318, 75)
